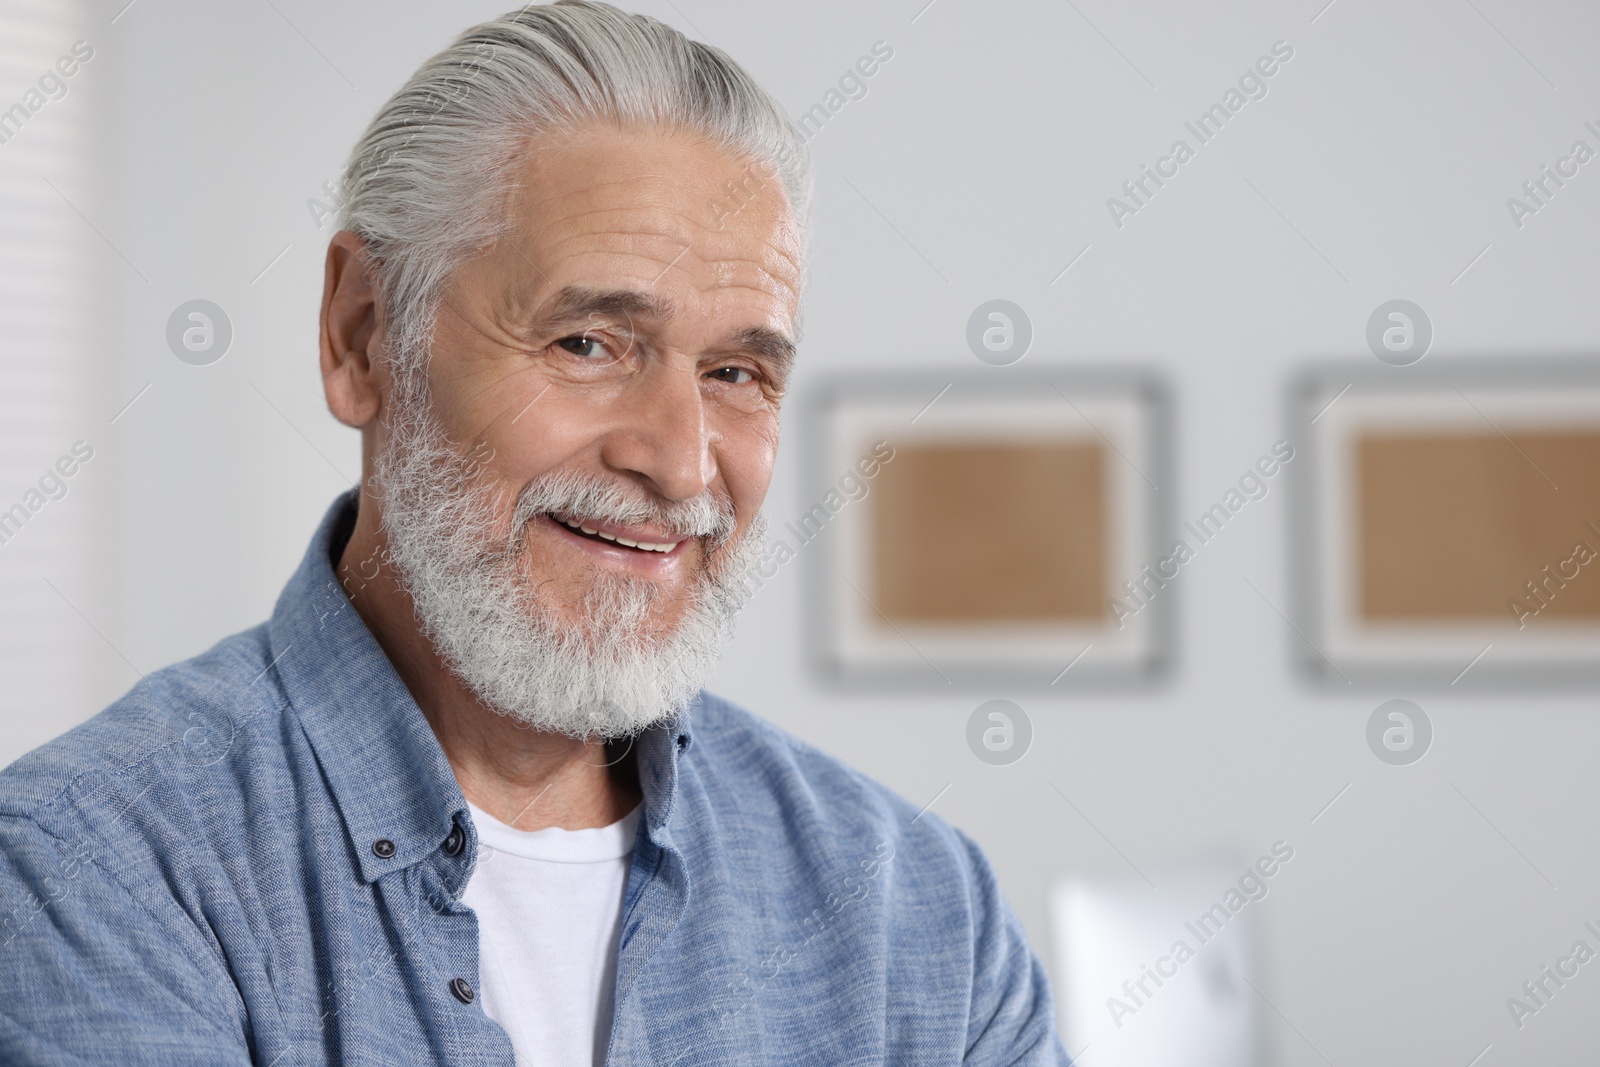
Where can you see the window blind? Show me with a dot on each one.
(52, 600)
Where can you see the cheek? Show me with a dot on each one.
(746, 450)
(538, 430)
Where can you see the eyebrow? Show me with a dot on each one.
(769, 343)
(580, 301)
(576, 302)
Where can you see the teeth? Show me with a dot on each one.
(644, 546)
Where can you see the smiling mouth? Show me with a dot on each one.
(577, 527)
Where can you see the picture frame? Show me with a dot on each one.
(912, 586)
(1434, 498)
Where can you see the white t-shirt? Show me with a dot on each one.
(549, 905)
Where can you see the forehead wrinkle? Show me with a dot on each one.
(727, 272)
(609, 242)
(724, 274)
(615, 209)
(722, 257)
(574, 202)
(518, 301)
(710, 260)
(656, 216)
(660, 220)
(659, 208)
(725, 252)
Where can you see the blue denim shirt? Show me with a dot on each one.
(257, 856)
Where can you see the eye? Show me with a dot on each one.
(585, 346)
(732, 375)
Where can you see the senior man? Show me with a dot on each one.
(461, 800)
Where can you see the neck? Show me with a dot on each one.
(527, 778)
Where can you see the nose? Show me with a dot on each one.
(662, 436)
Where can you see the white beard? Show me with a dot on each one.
(459, 555)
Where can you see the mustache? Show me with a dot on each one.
(569, 492)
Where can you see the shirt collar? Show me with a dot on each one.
(384, 766)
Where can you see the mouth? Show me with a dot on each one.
(644, 541)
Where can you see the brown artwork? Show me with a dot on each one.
(986, 532)
(1457, 526)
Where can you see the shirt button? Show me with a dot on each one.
(462, 990)
(383, 848)
(454, 843)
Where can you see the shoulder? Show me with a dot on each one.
(756, 772)
(739, 750)
(109, 859)
(165, 739)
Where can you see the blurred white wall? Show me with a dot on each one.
(56, 280)
(977, 166)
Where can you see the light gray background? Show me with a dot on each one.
(977, 167)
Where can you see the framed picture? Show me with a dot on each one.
(1449, 528)
(976, 530)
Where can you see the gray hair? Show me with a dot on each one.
(429, 182)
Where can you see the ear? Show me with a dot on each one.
(351, 333)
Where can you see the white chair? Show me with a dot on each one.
(1158, 977)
